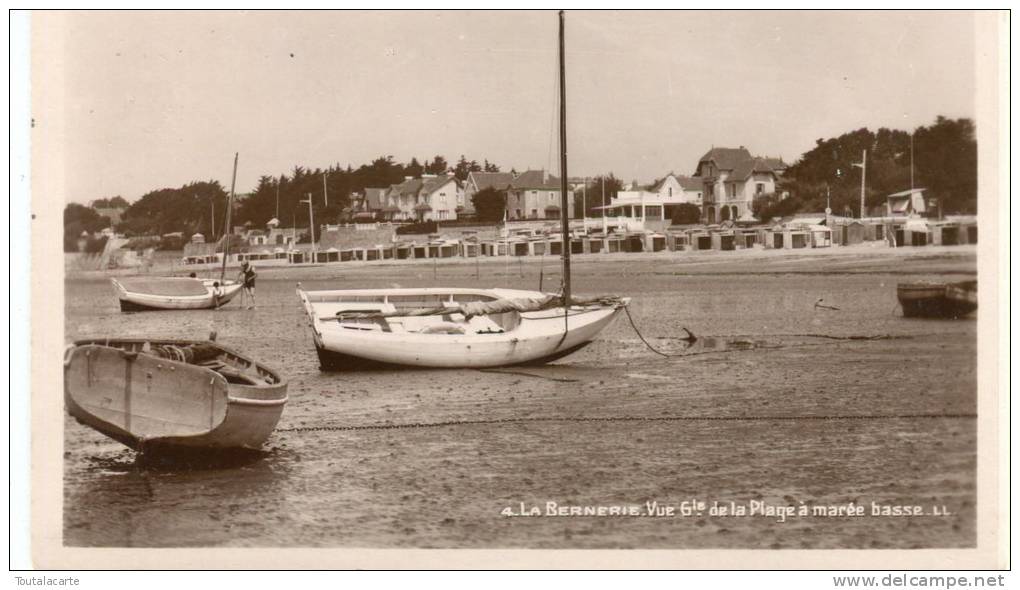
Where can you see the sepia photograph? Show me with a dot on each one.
(710, 283)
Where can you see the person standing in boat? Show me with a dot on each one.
(248, 280)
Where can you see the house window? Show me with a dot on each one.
(759, 188)
(733, 190)
(534, 213)
(671, 192)
(518, 216)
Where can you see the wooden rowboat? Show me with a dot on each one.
(431, 328)
(937, 300)
(163, 293)
(170, 396)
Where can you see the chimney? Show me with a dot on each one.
(545, 176)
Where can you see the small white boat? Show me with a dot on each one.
(460, 328)
(172, 396)
(161, 293)
(449, 327)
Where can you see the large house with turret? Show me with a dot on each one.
(732, 179)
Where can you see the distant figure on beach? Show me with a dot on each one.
(216, 294)
(248, 279)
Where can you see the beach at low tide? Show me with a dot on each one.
(781, 403)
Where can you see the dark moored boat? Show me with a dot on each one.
(172, 396)
(937, 300)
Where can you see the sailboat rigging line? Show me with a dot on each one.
(681, 418)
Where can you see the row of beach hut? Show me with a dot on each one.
(793, 234)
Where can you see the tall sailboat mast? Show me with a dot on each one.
(227, 233)
(564, 204)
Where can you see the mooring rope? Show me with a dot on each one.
(641, 336)
(594, 419)
(525, 374)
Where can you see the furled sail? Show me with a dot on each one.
(477, 308)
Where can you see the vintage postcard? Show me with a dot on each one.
(476, 289)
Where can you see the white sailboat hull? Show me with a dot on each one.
(534, 337)
(136, 300)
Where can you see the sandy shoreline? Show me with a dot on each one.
(779, 403)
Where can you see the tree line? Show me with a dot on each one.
(200, 207)
(944, 163)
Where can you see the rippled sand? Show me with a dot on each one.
(779, 402)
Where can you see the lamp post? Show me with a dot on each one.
(863, 165)
(311, 224)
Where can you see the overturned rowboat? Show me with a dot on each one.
(163, 293)
(937, 300)
(166, 396)
(450, 327)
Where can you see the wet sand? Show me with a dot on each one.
(779, 402)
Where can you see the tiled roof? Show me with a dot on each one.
(374, 197)
(908, 192)
(691, 183)
(726, 158)
(687, 183)
(497, 180)
(432, 184)
(407, 188)
(741, 163)
(743, 170)
(657, 185)
(535, 179)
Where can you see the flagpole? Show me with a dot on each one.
(605, 226)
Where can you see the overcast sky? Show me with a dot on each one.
(159, 99)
